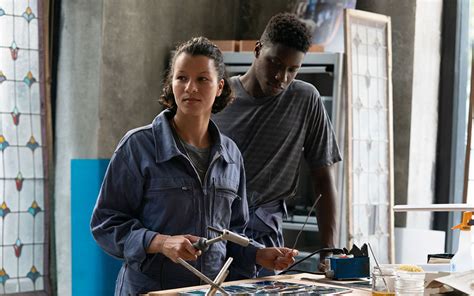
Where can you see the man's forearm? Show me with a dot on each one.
(326, 215)
(326, 211)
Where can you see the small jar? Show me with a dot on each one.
(410, 283)
(383, 281)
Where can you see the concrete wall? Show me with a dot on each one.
(77, 114)
(424, 119)
(136, 46)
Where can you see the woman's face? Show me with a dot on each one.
(195, 84)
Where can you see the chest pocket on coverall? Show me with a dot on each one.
(172, 206)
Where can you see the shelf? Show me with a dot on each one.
(434, 208)
(301, 219)
(310, 59)
(297, 226)
(326, 98)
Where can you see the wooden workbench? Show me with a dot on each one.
(293, 278)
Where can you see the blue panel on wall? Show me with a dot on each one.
(93, 271)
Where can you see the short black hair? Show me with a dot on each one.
(288, 30)
(194, 47)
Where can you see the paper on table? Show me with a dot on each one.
(462, 281)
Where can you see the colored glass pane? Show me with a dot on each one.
(28, 15)
(4, 210)
(3, 143)
(15, 116)
(17, 247)
(3, 276)
(14, 51)
(33, 274)
(22, 165)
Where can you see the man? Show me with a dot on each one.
(272, 120)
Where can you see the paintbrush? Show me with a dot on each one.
(378, 266)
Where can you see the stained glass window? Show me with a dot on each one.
(23, 190)
(370, 138)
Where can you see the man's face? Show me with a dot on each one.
(276, 67)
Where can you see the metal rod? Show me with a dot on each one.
(213, 240)
(214, 291)
(201, 276)
(304, 224)
(215, 229)
(220, 277)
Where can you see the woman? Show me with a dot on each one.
(168, 181)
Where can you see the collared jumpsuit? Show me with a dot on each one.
(151, 188)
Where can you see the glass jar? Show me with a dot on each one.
(383, 281)
(410, 283)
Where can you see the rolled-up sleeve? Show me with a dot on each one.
(114, 223)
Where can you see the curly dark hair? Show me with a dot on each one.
(198, 46)
(287, 29)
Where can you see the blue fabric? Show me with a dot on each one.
(265, 227)
(150, 188)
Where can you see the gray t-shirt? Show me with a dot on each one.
(272, 133)
(199, 157)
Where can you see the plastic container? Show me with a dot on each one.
(409, 283)
(383, 281)
(463, 260)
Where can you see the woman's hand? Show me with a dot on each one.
(275, 258)
(174, 247)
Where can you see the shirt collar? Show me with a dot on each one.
(166, 147)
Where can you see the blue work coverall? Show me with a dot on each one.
(151, 188)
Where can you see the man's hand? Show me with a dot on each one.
(275, 258)
(322, 264)
(175, 246)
